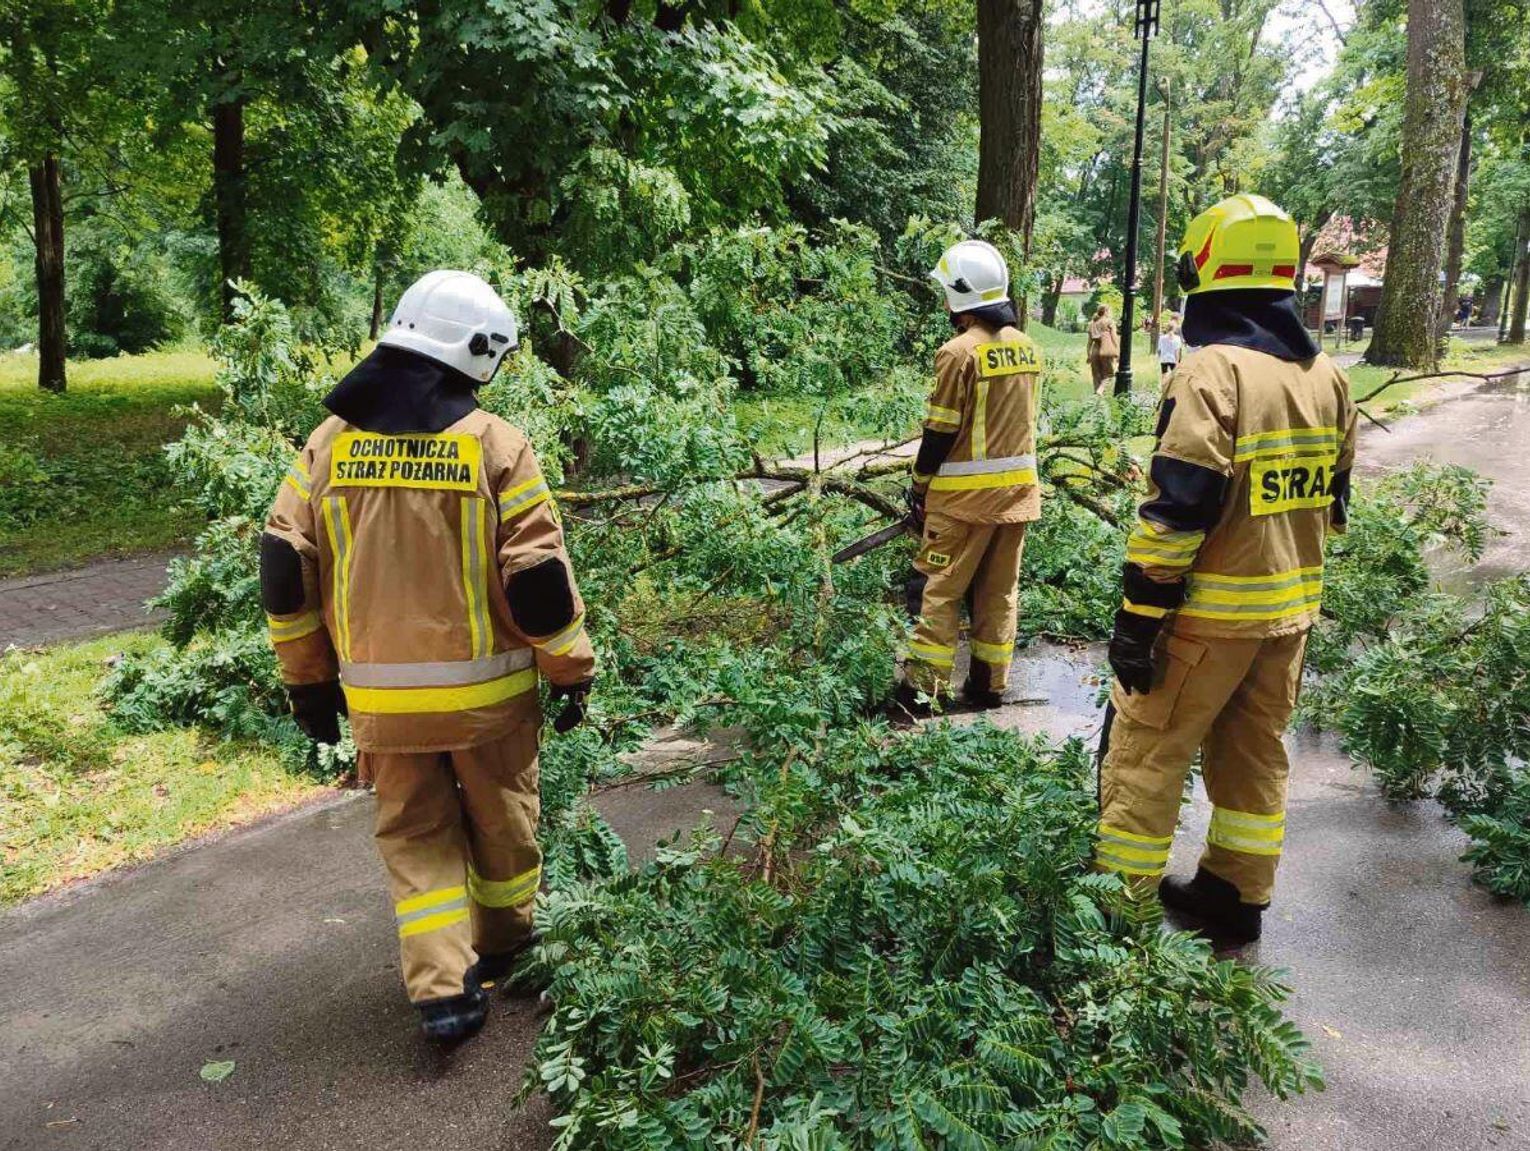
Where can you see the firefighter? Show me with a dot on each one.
(974, 485)
(1224, 573)
(1104, 346)
(414, 576)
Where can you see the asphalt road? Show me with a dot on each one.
(272, 947)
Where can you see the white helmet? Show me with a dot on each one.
(973, 274)
(455, 319)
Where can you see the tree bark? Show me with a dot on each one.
(1492, 301)
(1009, 110)
(1455, 246)
(1407, 323)
(1050, 299)
(230, 196)
(48, 232)
(1521, 287)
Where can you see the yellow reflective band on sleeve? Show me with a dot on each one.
(512, 892)
(1144, 609)
(287, 630)
(1285, 442)
(523, 497)
(1262, 597)
(431, 911)
(297, 476)
(564, 641)
(1130, 853)
(1246, 831)
(1153, 545)
(933, 653)
(337, 523)
(421, 700)
(1020, 477)
(995, 653)
(935, 414)
(475, 564)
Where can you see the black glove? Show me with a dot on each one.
(1131, 650)
(317, 707)
(1131, 644)
(916, 510)
(578, 696)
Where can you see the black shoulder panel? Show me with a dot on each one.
(1189, 496)
(281, 575)
(541, 598)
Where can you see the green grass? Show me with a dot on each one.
(1402, 398)
(78, 796)
(782, 426)
(82, 475)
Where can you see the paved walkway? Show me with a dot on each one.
(102, 597)
(272, 947)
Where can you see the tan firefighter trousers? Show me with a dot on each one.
(1231, 698)
(978, 563)
(457, 833)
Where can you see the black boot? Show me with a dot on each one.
(455, 1017)
(1215, 903)
(979, 697)
(495, 966)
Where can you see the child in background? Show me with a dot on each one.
(1170, 347)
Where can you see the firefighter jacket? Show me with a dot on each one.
(977, 459)
(427, 572)
(1250, 473)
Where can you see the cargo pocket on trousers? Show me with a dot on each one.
(943, 539)
(1176, 656)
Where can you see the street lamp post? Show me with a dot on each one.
(1147, 25)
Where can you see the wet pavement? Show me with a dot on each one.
(1487, 429)
(272, 947)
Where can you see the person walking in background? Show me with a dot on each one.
(1170, 347)
(1104, 347)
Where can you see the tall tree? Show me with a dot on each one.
(48, 65)
(1009, 108)
(1407, 322)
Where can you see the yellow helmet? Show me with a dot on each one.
(1242, 242)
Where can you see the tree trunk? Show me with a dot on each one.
(1407, 323)
(1455, 246)
(1521, 286)
(1050, 299)
(230, 197)
(1492, 301)
(1009, 110)
(48, 230)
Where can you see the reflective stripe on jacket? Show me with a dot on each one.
(1250, 473)
(407, 544)
(986, 385)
